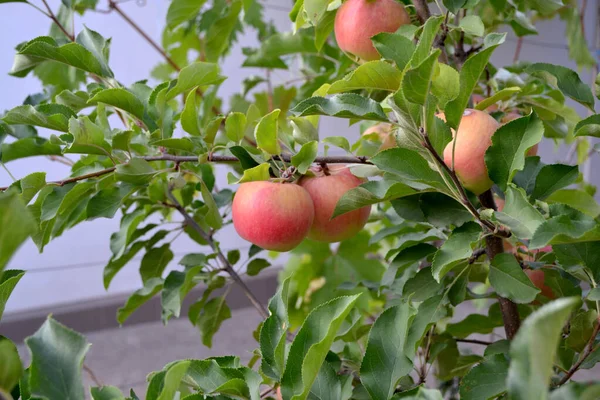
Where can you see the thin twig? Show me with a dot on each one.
(226, 265)
(589, 348)
(57, 22)
(474, 341)
(93, 376)
(518, 50)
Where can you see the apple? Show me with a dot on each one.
(533, 150)
(274, 216)
(357, 21)
(473, 139)
(326, 188)
(537, 277)
(385, 133)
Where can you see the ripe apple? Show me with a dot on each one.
(472, 141)
(537, 277)
(274, 216)
(385, 133)
(357, 21)
(533, 150)
(325, 189)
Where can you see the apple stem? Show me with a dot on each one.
(325, 168)
(495, 246)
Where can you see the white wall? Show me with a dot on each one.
(70, 269)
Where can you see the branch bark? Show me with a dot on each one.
(213, 158)
(589, 348)
(495, 246)
(422, 9)
(226, 265)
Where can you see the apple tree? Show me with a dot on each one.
(442, 205)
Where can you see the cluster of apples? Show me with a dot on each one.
(278, 216)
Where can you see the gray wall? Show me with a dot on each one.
(70, 270)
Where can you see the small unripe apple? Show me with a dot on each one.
(357, 21)
(537, 277)
(274, 216)
(473, 139)
(533, 150)
(385, 133)
(325, 189)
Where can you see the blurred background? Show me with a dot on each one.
(67, 278)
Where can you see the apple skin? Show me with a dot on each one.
(357, 21)
(385, 133)
(537, 277)
(325, 191)
(474, 138)
(274, 216)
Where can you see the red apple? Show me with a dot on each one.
(385, 133)
(326, 189)
(357, 21)
(274, 216)
(537, 277)
(472, 141)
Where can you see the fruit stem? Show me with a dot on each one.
(495, 246)
(325, 168)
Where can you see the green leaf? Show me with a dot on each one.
(552, 178)
(372, 75)
(120, 98)
(76, 101)
(311, 344)
(17, 225)
(266, 133)
(347, 105)
(581, 329)
(576, 391)
(304, 130)
(154, 262)
(421, 286)
(106, 393)
(384, 362)
(97, 45)
(305, 157)
(272, 337)
(88, 138)
(519, 215)
(51, 116)
(577, 255)
(419, 393)
(209, 321)
(472, 25)
(501, 95)
(28, 147)
(566, 80)
(172, 380)
(194, 75)
(338, 141)
(257, 265)
(469, 77)
(428, 34)
(138, 298)
(429, 312)
(57, 355)
(486, 380)
(73, 54)
(258, 173)
(106, 203)
(217, 37)
(315, 10)
(589, 126)
(213, 217)
(510, 144)
(509, 280)
(545, 7)
(189, 116)
(417, 80)
(473, 323)
(183, 10)
(394, 47)
(445, 86)
(235, 126)
(8, 281)
(533, 350)
(369, 193)
(137, 172)
(410, 167)
(324, 29)
(459, 246)
(454, 5)
(11, 368)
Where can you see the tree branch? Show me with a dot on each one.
(226, 265)
(495, 246)
(57, 22)
(213, 158)
(589, 348)
(422, 9)
(474, 341)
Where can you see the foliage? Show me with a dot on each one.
(373, 316)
